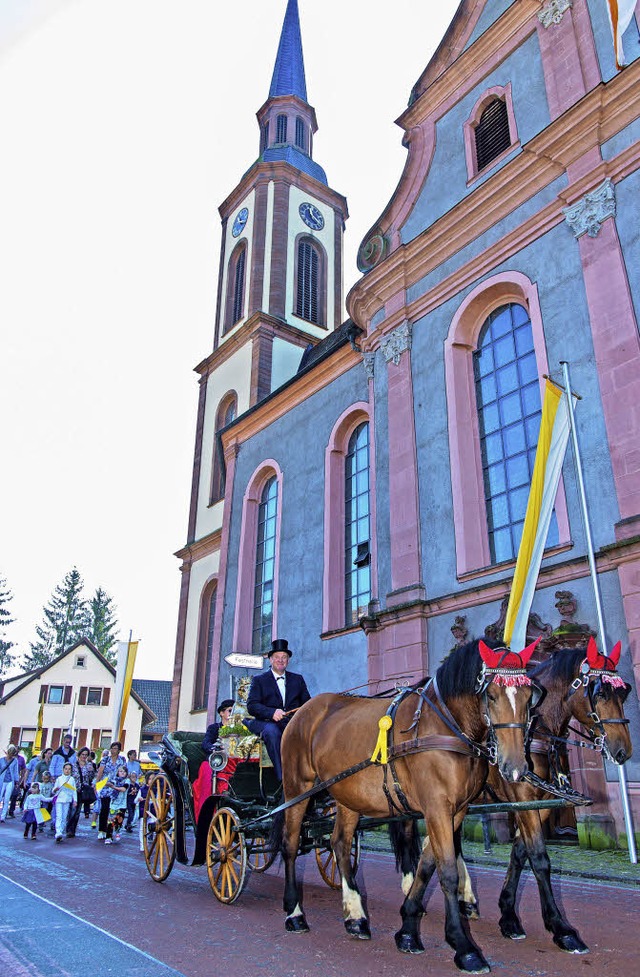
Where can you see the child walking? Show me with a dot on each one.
(118, 807)
(46, 797)
(33, 803)
(144, 790)
(65, 793)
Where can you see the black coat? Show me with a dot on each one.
(210, 737)
(264, 695)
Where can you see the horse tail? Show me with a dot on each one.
(405, 843)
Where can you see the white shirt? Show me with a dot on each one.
(281, 682)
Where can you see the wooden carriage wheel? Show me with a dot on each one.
(158, 828)
(259, 855)
(226, 856)
(325, 859)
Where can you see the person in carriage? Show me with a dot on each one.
(212, 734)
(273, 698)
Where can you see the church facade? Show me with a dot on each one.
(359, 486)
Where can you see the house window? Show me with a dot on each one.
(509, 411)
(281, 128)
(309, 281)
(300, 132)
(226, 413)
(205, 646)
(492, 133)
(56, 693)
(265, 568)
(105, 739)
(94, 697)
(81, 661)
(357, 533)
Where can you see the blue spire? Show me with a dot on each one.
(288, 74)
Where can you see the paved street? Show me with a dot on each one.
(113, 919)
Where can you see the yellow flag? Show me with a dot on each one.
(37, 743)
(132, 651)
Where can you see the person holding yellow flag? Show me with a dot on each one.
(105, 778)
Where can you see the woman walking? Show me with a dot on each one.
(83, 773)
(108, 770)
(9, 778)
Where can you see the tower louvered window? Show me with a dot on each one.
(307, 285)
(264, 137)
(492, 133)
(238, 287)
(300, 133)
(281, 128)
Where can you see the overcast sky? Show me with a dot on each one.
(124, 124)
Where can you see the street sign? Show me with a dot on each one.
(244, 661)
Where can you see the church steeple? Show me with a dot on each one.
(288, 73)
(287, 121)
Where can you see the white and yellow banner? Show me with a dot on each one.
(127, 652)
(552, 445)
(620, 14)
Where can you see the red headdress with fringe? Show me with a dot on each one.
(506, 667)
(604, 666)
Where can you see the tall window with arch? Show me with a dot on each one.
(264, 586)
(226, 413)
(357, 526)
(308, 281)
(205, 646)
(509, 412)
(236, 285)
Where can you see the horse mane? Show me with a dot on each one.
(458, 673)
(561, 665)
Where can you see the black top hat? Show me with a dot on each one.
(280, 644)
(226, 704)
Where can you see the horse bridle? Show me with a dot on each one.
(592, 682)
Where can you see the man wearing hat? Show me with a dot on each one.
(273, 696)
(213, 731)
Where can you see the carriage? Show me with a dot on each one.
(231, 826)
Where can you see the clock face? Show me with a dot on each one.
(240, 221)
(311, 216)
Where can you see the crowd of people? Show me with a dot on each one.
(56, 787)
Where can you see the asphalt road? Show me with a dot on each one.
(81, 909)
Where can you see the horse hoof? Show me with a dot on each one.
(512, 931)
(469, 910)
(406, 943)
(472, 963)
(571, 943)
(296, 924)
(358, 928)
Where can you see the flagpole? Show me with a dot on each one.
(622, 774)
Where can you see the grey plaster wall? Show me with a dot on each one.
(297, 442)
(493, 11)
(553, 263)
(628, 225)
(446, 182)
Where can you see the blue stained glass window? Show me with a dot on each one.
(265, 569)
(357, 530)
(509, 411)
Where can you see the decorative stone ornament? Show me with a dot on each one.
(396, 343)
(589, 214)
(371, 251)
(369, 363)
(553, 12)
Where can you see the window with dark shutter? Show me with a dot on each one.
(44, 690)
(281, 128)
(82, 697)
(105, 696)
(307, 303)
(68, 689)
(492, 133)
(300, 133)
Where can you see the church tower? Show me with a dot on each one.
(280, 289)
(280, 285)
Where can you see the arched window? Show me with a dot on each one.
(495, 356)
(492, 133)
(236, 285)
(310, 275)
(226, 413)
(281, 128)
(205, 646)
(357, 531)
(265, 568)
(300, 133)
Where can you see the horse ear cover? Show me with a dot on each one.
(519, 660)
(603, 662)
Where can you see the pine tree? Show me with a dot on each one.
(65, 622)
(6, 659)
(102, 625)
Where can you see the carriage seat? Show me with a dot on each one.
(191, 747)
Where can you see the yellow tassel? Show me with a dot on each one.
(380, 754)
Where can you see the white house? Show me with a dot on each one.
(77, 690)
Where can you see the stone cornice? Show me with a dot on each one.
(597, 117)
(195, 551)
(282, 172)
(257, 324)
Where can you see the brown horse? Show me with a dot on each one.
(578, 687)
(482, 696)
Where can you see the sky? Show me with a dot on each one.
(125, 123)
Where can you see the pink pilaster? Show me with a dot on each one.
(568, 59)
(629, 576)
(404, 514)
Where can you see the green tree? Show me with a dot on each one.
(65, 621)
(6, 658)
(102, 626)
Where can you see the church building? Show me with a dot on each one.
(359, 484)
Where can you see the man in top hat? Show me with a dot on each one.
(273, 696)
(213, 731)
